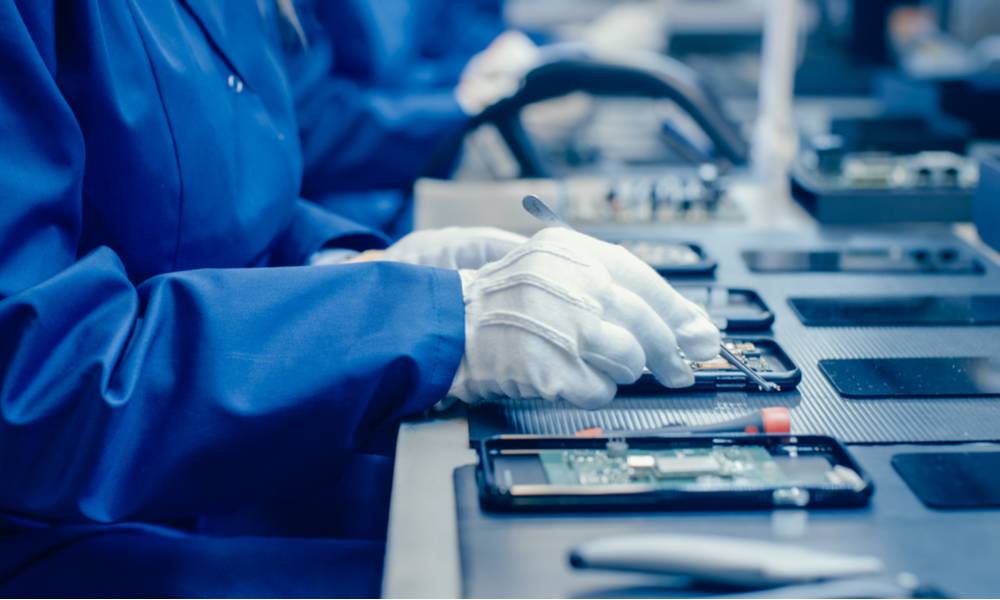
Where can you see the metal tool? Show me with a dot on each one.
(537, 208)
(763, 384)
(740, 562)
(770, 420)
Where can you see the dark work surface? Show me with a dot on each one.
(897, 310)
(816, 407)
(913, 377)
(956, 551)
(952, 479)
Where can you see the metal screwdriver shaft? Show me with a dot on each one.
(763, 384)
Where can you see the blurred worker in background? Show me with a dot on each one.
(188, 405)
(381, 86)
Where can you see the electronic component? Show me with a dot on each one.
(682, 195)
(667, 258)
(747, 352)
(701, 467)
(922, 170)
(760, 355)
(722, 466)
(670, 472)
(873, 187)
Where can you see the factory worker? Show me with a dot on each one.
(385, 87)
(168, 358)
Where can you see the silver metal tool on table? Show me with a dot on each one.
(537, 208)
(764, 569)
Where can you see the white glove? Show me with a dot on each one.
(629, 26)
(454, 247)
(566, 316)
(496, 72)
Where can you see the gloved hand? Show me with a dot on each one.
(496, 72)
(454, 247)
(566, 316)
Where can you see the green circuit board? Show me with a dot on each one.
(689, 468)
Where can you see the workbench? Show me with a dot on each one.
(955, 550)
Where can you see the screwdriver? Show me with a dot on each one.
(537, 208)
(773, 419)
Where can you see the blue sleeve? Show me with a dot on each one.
(313, 228)
(357, 135)
(193, 391)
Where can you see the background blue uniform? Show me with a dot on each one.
(155, 386)
(375, 94)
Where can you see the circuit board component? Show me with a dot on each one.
(695, 467)
(747, 352)
(709, 468)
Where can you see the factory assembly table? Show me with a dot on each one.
(441, 545)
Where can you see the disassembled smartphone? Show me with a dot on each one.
(669, 473)
(762, 355)
(731, 309)
(672, 258)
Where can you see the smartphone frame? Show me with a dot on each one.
(739, 325)
(728, 380)
(533, 497)
(704, 268)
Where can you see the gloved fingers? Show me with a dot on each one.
(412, 247)
(587, 388)
(454, 247)
(695, 333)
(612, 350)
(510, 54)
(699, 338)
(493, 234)
(494, 243)
(631, 312)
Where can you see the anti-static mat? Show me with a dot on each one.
(815, 405)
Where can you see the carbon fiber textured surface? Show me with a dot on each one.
(816, 407)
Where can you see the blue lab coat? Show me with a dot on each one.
(168, 376)
(375, 94)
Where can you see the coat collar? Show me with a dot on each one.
(224, 24)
